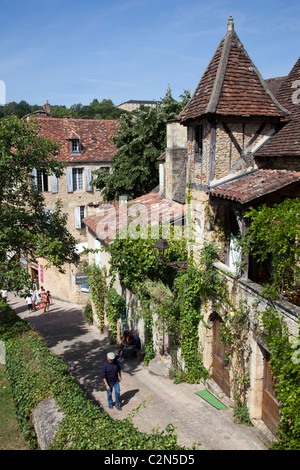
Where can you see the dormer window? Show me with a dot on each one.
(75, 146)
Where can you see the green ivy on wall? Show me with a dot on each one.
(285, 365)
(98, 289)
(115, 309)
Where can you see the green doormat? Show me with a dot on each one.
(207, 396)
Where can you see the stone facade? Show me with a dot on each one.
(77, 205)
(94, 149)
(175, 167)
(230, 170)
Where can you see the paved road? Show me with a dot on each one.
(83, 349)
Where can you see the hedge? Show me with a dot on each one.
(36, 374)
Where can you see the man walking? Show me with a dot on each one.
(111, 374)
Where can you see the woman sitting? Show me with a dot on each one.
(124, 342)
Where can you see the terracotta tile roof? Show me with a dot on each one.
(287, 94)
(287, 141)
(245, 189)
(94, 135)
(274, 84)
(149, 209)
(231, 86)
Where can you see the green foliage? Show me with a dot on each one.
(273, 238)
(191, 289)
(95, 110)
(88, 313)
(285, 367)
(234, 333)
(134, 258)
(115, 309)
(36, 374)
(26, 228)
(174, 297)
(98, 289)
(140, 140)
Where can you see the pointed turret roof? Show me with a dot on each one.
(231, 85)
(288, 93)
(286, 142)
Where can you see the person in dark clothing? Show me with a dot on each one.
(134, 344)
(111, 374)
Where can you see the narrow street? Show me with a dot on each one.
(84, 349)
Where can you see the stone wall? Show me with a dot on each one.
(175, 163)
(63, 285)
(249, 293)
(227, 157)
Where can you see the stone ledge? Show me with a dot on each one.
(46, 419)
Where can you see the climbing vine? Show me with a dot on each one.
(98, 289)
(191, 289)
(115, 309)
(234, 335)
(284, 362)
(273, 240)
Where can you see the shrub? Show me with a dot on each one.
(35, 374)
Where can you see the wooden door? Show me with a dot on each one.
(220, 372)
(270, 406)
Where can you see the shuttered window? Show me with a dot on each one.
(54, 184)
(79, 214)
(88, 179)
(77, 179)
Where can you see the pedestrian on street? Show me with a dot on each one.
(29, 302)
(111, 374)
(42, 292)
(47, 298)
(33, 300)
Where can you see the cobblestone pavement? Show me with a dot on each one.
(84, 348)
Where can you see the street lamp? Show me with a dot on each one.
(161, 247)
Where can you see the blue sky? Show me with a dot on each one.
(74, 51)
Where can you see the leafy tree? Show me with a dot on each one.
(273, 238)
(18, 109)
(140, 141)
(26, 227)
(95, 110)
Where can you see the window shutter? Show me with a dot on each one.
(88, 179)
(54, 185)
(77, 220)
(96, 168)
(69, 180)
(34, 179)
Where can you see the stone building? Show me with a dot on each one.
(235, 146)
(243, 150)
(132, 105)
(86, 145)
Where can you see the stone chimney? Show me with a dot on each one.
(47, 108)
(230, 24)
